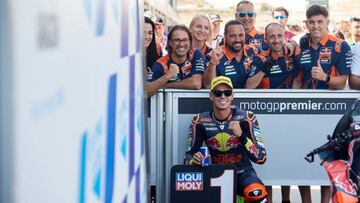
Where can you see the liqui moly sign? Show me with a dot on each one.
(189, 181)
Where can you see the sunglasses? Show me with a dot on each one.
(218, 93)
(243, 14)
(279, 17)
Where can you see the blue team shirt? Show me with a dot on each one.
(193, 65)
(239, 70)
(205, 51)
(279, 71)
(335, 59)
(256, 39)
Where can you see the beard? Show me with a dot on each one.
(183, 52)
(234, 49)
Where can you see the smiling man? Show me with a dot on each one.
(279, 69)
(235, 59)
(177, 69)
(325, 60)
(325, 63)
(234, 137)
(245, 13)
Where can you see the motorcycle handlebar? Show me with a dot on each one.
(333, 142)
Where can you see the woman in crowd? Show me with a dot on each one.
(152, 53)
(201, 33)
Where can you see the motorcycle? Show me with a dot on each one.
(340, 157)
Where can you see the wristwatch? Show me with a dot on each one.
(327, 78)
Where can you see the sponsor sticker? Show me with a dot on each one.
(190, 181)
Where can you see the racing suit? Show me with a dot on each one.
(226, 148)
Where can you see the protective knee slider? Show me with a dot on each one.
(255, 192)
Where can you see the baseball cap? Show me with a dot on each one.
(157, 20)
(221, 80)
(215, 17)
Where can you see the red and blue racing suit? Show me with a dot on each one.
(226, 148)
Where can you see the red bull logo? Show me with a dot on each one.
(248, 61)
(325, 55)
(186, 69)
(326, 50)
(223, 142)
(256, 42)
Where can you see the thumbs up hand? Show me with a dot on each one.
(318, 73)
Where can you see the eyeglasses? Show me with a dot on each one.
(279, 17)
(178, 41)
(243, 14)
(218, 93)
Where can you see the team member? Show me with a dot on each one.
(200, 29)
(279, 69)
(185, 71)
(235, 60)
(234, 137)
(324, 64)
(324, 60)
(281, 15)
(245, 13)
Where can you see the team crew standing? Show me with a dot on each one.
(245, 13)
(186, 69)
(279, 69)
(235, 60)
(325, 60)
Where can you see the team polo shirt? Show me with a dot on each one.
(256, 38)
(193, 65)
(205, 51)
(279, 71)
(335, 59)
(239, 70)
